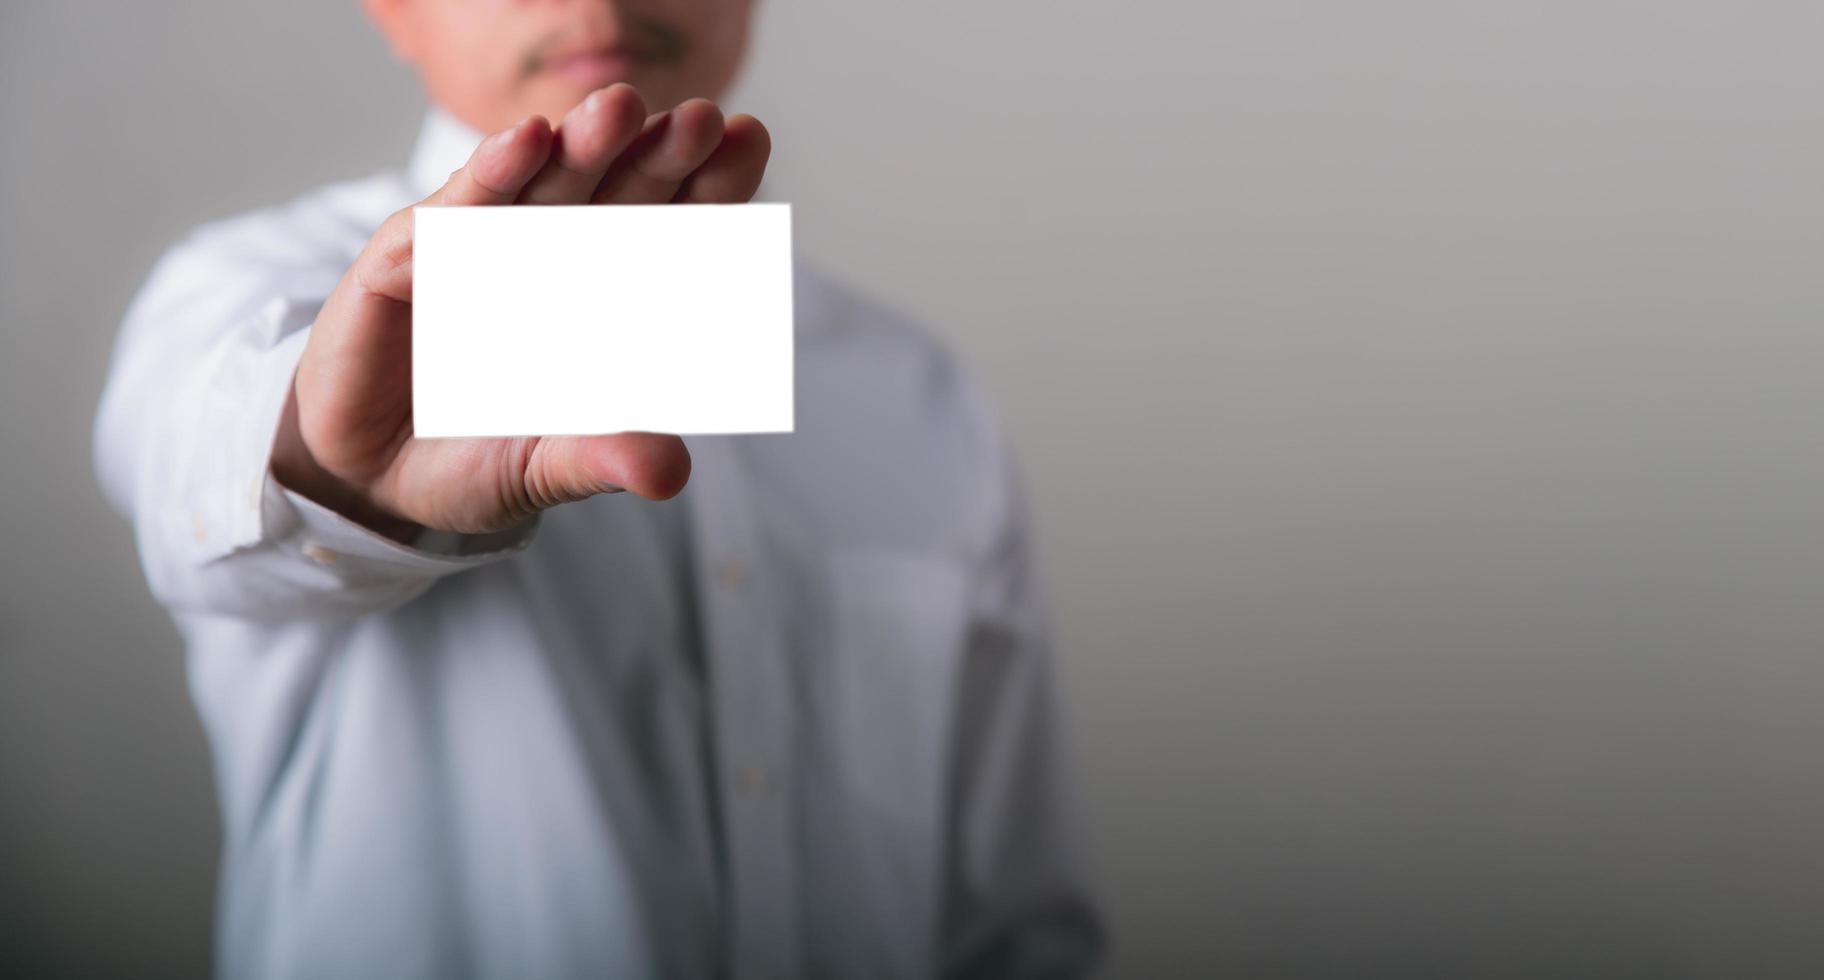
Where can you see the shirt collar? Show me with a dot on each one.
(444, 144)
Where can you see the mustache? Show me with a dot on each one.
(646, 38)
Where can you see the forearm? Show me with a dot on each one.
(185, 444)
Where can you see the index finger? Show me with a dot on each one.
(500, 166)
(495, 174)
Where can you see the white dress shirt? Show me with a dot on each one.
(796, 722)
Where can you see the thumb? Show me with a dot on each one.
(568, 468)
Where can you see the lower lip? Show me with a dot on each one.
(594, 69)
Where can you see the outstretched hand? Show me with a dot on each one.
(346, 438)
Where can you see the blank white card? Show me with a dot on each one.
(553, 320)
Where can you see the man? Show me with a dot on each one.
(783, 709)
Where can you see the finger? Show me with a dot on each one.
(673, 145)
(566, 468)
(500, 167)
(733, 172)
(494, 174)
(591, 135)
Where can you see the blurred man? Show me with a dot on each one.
(782, 710)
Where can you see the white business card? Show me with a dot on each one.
(554, 320)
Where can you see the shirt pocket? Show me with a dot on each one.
(898, 625)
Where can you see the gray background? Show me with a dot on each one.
(1421, 402)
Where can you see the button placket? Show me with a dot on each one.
(752, 707)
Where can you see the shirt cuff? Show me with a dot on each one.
(329, 538)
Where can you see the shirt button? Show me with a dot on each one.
(199, 527)
(732, 573)
(752, 779)
(320, 554)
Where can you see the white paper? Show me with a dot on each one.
(552, 320)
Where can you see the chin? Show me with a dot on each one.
(560, 94)
(552, 100)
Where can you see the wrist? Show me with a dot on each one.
(296, 469)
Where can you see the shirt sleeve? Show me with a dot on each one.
(1018, 900)
(183, 440)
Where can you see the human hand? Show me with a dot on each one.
(346, 437)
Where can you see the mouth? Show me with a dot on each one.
(594, 66)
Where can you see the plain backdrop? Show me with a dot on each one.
(1421, 402)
